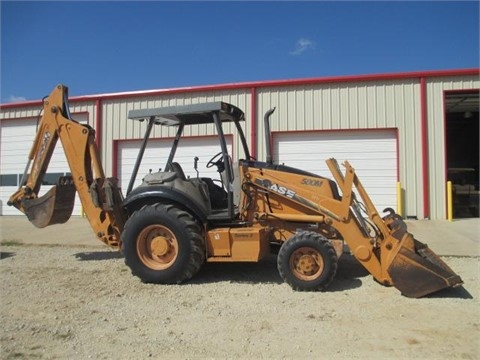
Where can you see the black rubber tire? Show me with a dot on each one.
(183, 260)
(317, 250)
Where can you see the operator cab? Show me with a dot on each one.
(209, 196)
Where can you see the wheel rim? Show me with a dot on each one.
(306, 263)
(157, 247)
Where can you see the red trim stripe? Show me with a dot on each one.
(115, 158)
(424, 135)
(98, 124)
(260, 84)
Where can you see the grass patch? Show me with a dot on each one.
(11, 243)
(21, 355)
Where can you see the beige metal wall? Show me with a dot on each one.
(117, 126)
(370, 104)
(19, 113)
(436, 136)
(34, 111)
(360, 105)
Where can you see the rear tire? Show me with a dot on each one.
(163, 244)
(307, 262)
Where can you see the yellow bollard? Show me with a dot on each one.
(449, 201)
(399, 199)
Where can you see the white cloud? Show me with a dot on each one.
(302, 45)
(13, 98)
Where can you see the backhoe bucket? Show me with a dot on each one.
(54, 207)
(417, 271)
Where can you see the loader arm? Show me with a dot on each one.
(405, 262)
(100, 196)
(381, 244)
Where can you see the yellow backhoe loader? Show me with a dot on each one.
(168, 226)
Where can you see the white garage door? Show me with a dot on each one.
(16, 139)
(156, 155)
(373, 154)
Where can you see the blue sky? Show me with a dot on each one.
(105, 47)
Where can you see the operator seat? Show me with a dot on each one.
(218, 195)
(177, 168)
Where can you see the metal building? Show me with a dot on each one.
(406, 134)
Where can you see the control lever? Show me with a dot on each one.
(195, 164)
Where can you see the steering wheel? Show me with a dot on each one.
(215, 160)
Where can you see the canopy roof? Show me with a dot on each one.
(189, 114)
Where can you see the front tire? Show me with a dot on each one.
(163, 244)
(307, 262)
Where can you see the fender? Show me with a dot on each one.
(158, 194)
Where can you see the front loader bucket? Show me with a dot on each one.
(55, 207)
(417, 271)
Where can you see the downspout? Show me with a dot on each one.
(424, 135)
(448, 195)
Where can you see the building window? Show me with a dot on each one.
(9, 180)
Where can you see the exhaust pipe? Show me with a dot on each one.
(268, 138)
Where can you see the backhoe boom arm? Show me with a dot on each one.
(100, 196)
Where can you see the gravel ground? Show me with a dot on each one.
(66, 302)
